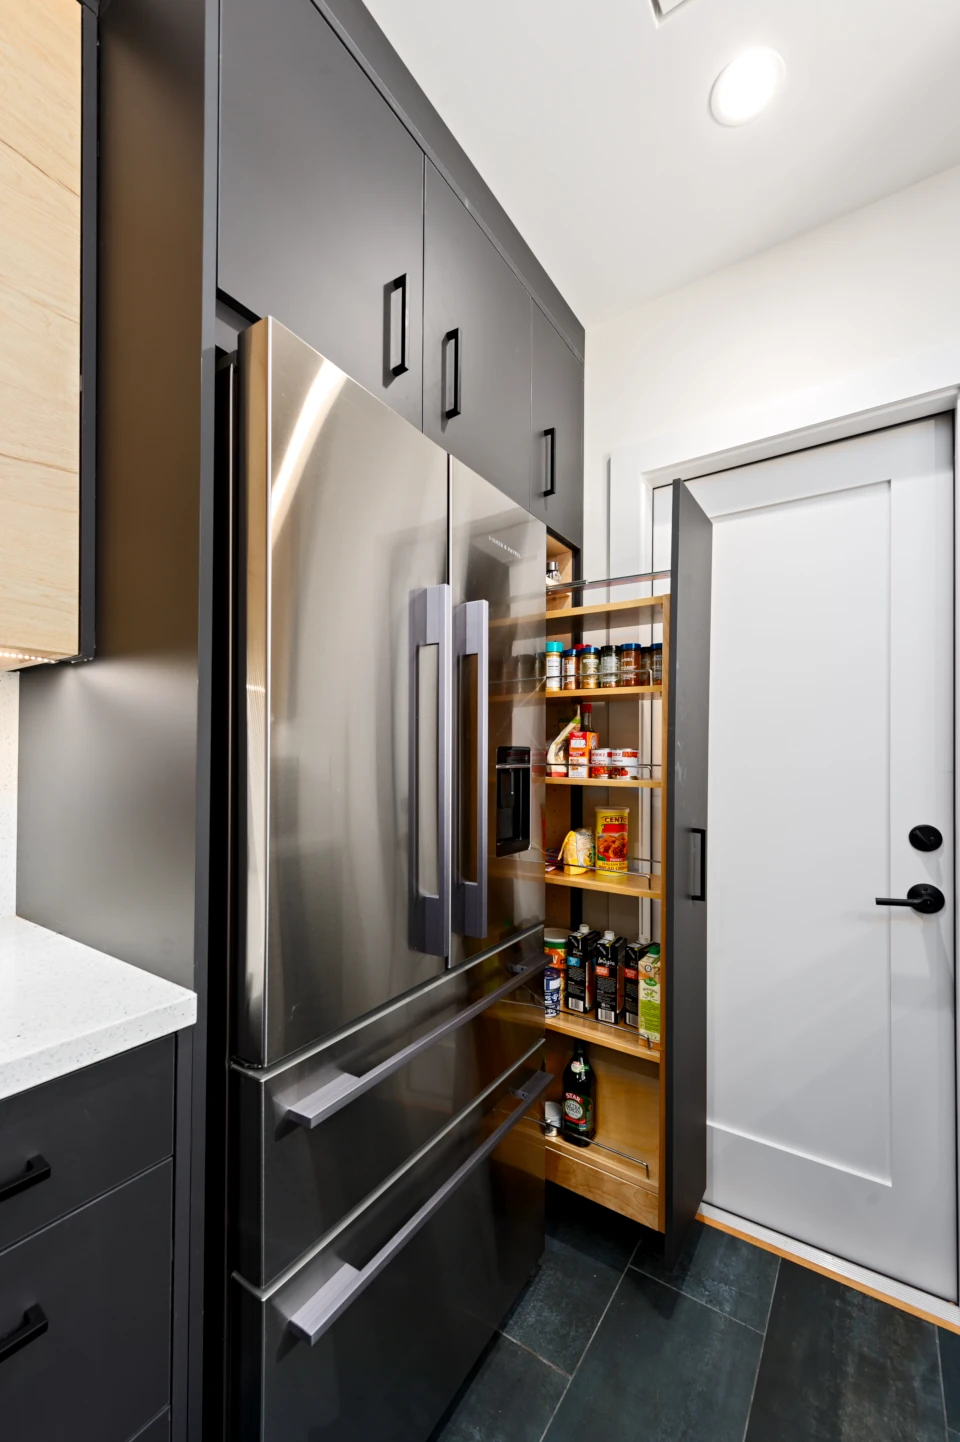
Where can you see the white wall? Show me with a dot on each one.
(853, 315)
(9, 717)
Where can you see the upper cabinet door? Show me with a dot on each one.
(556, 476)
(40, 125)
(321, 198)
(476, 343)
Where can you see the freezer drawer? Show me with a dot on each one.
(371, 1339)
(316, 1138)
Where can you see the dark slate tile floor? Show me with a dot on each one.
(735, 1345)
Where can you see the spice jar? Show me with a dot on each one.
(554, 665)
(570, 670)
(589, 668)
(609, 670)
(630, 653)
(656, 664)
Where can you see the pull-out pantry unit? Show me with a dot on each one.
(648, 1157)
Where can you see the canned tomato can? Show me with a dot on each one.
(612, 838)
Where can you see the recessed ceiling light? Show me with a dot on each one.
(746, 86)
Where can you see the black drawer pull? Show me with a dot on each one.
(36, 1170)
(401, 367)
(550, 436)
(452, 337)
(34, 1325)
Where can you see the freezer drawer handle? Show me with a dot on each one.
(316, 1316)
(472, 638)
(337, 1093)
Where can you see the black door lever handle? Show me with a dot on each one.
(923, 898)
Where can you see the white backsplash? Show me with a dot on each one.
(9, 730)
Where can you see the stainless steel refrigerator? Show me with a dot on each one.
(386, 1155)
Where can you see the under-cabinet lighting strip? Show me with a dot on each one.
(25, 656)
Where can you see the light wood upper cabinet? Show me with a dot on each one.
(40, 119)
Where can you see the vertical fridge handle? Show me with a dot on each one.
(472, 638)
(431, 625)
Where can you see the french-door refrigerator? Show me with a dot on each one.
(386, 1153)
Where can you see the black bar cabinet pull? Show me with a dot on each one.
(550, 435)
(37, 1169)
(923, 898)
(34, 1325)
(452, 337)
(401, 367)
(701, 892)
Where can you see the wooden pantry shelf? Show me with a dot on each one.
(613, 883)
(614, 1038)
(604, 1177)
(601, 781)
(608, 608)
(606, 693)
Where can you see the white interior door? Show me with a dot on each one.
(832, 1038)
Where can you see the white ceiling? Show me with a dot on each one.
(591, 124)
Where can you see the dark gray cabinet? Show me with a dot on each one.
(73, 1139)
(321, 197)
(85, 1319)
(476, 345)
(86, 1239)
(556, 470)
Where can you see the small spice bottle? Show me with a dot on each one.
(554, 665)
(609, 669)
(630, 653)
(589, 668)
(656, 664)
(570, 682)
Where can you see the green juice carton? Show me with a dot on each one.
(649, 994)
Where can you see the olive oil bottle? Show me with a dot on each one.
(579, 1099)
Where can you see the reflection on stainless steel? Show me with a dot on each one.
(359, 528)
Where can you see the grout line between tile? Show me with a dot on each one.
(524, 1348)
(756, 1375)
(553, 1415)
(700, 1302)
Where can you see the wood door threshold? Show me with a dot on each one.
(849, 1274)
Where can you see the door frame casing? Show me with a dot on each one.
(631, 482)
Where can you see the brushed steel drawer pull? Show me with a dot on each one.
(337, 1091)
(313, 1318)
(37, 1169)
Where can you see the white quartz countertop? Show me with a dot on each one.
(64, 1006)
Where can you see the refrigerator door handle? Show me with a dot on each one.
(472, 638)
(430, 839)
(314, 1317)
(340, 1089)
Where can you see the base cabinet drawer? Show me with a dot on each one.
(71, 1140)
(85, 1320)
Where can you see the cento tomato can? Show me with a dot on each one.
(612, 831)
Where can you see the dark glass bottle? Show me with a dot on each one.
(579, 1099)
